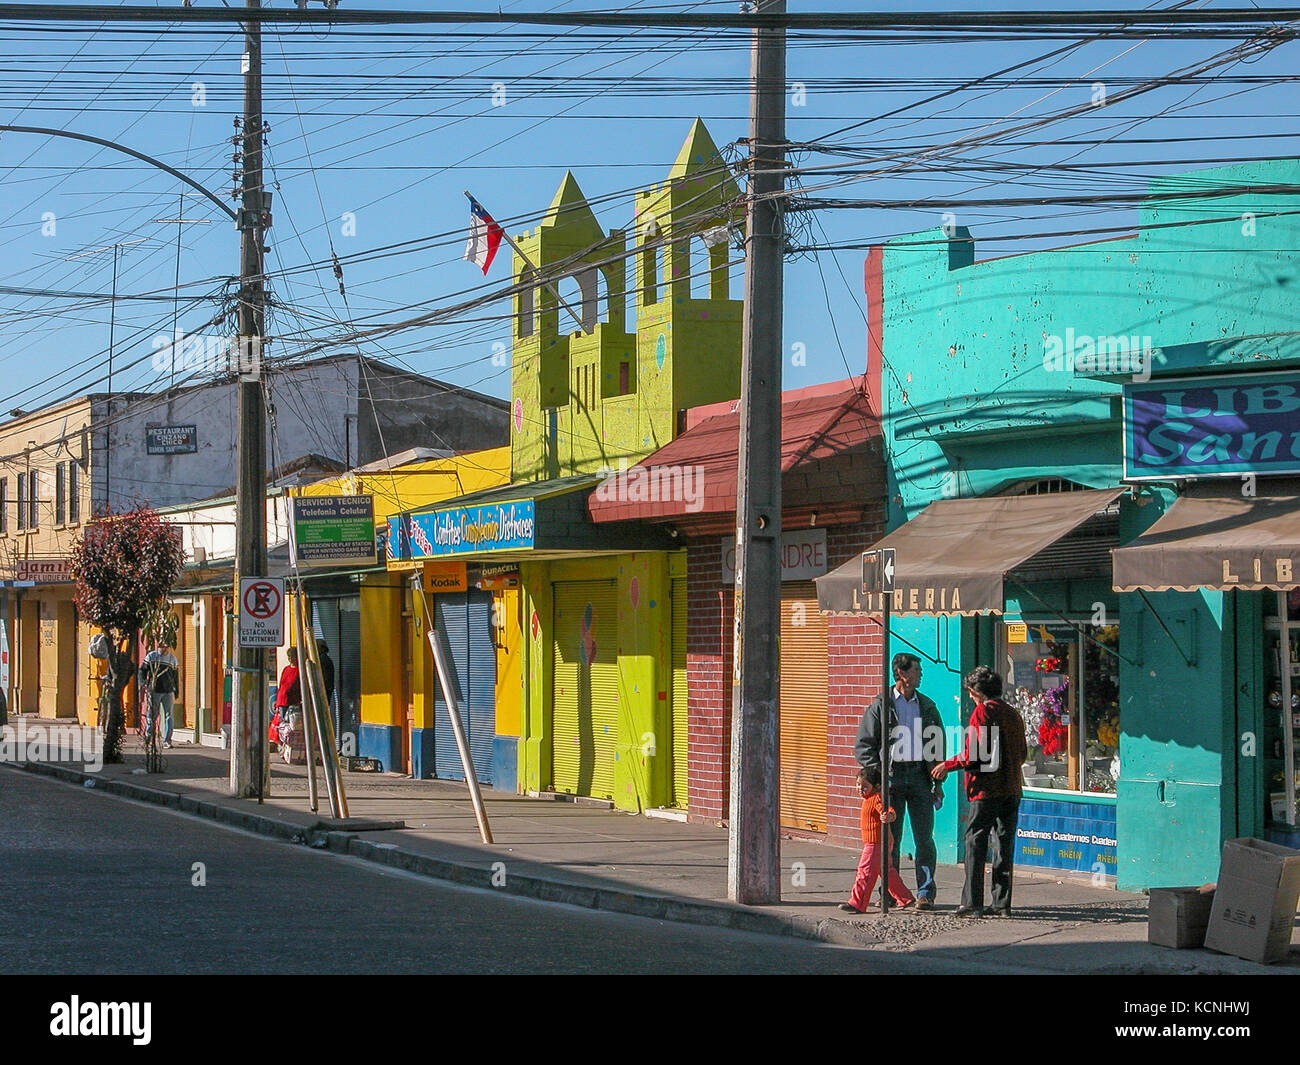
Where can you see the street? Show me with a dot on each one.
(93, 884)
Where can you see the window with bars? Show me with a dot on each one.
(33, 499)
(4, 506)
(60, 486)
(22, 502)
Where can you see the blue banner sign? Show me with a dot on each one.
(1212, 426)
(1066, 835)
(462, 531)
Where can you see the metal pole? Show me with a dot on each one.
(176, 292)
(324, 726)
(449, 694)
(309, 708)
(886, 709)
(249, 771)
(753, 844)
(528, 263)
(108, 421)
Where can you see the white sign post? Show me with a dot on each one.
(261, 612)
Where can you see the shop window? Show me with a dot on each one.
(1064, 681)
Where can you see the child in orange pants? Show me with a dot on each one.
(873, 817)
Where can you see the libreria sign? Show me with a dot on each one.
(464, 530)
(1206, 426)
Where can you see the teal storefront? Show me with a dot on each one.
(1154, 646)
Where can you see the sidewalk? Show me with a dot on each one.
(589, 856)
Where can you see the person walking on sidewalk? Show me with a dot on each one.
(917, 747)
(995, 749)
(875, 820)
(159, 683)
(288, 693)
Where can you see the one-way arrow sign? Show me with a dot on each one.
(878, 571)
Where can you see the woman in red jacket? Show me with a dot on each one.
(995, 749)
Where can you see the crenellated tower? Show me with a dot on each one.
(601, 372)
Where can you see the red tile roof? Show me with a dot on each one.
(817, 423)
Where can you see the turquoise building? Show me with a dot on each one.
(1123, 414)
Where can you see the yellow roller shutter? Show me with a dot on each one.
(189, 685)
(584, 727)
(680, 719)
(803, 709)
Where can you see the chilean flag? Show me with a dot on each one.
(484, 237)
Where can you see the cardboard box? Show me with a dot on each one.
(1255, 902)
(1177, 917)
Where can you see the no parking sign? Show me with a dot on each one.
(261, 611)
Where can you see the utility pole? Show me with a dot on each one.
(249, 769)
(753, 844)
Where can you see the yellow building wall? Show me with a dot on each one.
(381, 665)
(509, 689)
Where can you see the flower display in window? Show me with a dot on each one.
(1050, 664)
(1108, 732)
(1052, 736)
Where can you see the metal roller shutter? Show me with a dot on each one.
(803, 709)
(189, 685)
(680, 716)
(482, 684)
(465, 620)
(347, 661)
(584, 731)
(325, 626)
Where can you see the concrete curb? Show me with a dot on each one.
(314, 833)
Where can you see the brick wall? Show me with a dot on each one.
(853, 669)
(710, 609)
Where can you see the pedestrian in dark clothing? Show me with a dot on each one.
(917, 746)
(327, 670)
(994, 751)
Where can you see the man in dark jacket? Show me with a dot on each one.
(995, 749)
(918, 746)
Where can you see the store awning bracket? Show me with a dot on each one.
(1073, 624)
(1191, 662)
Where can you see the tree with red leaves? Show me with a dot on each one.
(124, 565)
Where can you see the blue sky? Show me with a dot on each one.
(374, 137)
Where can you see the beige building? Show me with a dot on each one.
(45, 495)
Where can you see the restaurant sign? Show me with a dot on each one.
(1212, 426)
(461, 531)
(171, 440)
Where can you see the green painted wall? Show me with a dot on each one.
(587, 398)
(644, 748)
(973, 403)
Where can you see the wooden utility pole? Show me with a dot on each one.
(250, 774)
(754, 849)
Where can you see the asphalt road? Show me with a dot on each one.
(94, 884)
